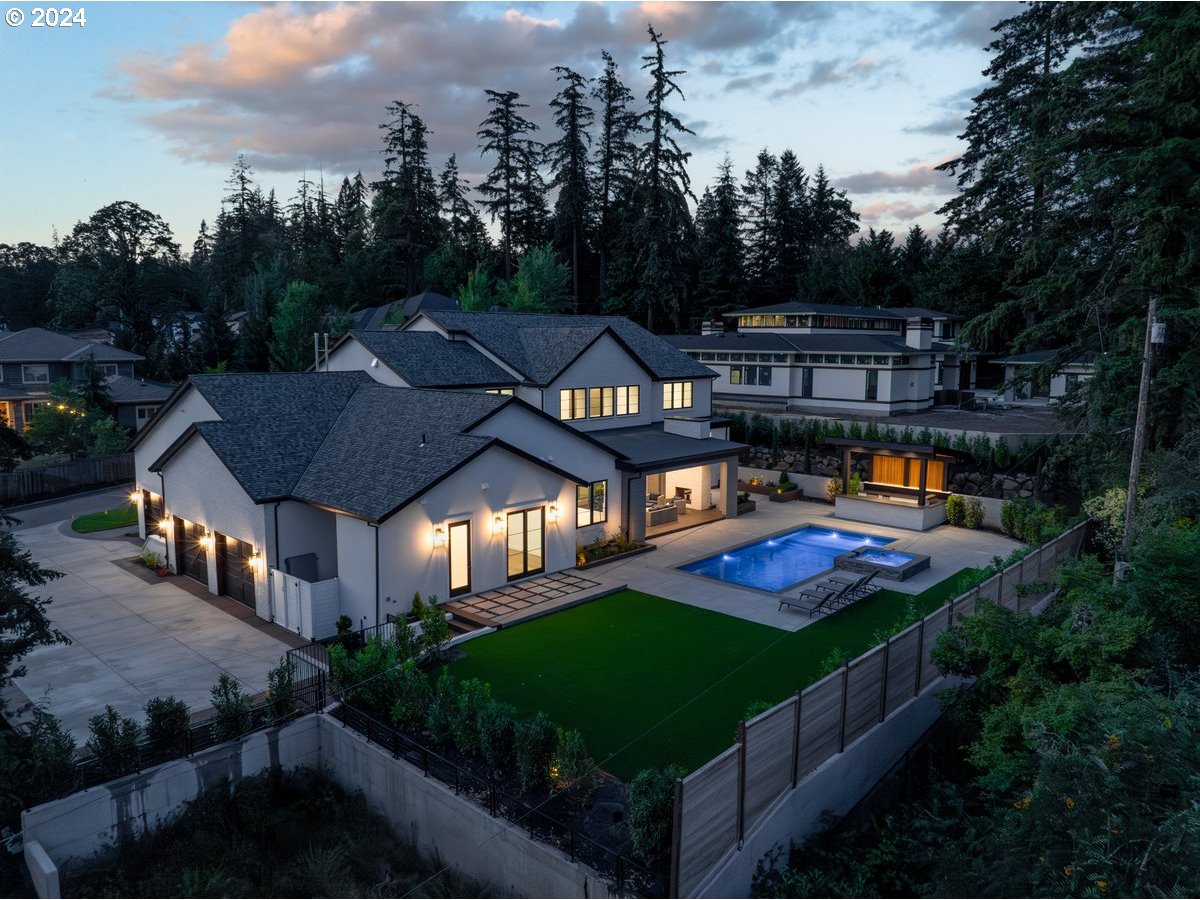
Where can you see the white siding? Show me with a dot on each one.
(354, 357)
(410, 562)
(306, 529)
(604, 364)
(356, 570)
(189, 408)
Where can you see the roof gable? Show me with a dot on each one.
(43, 345)
(426, 359)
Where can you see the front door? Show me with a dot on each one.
(459, 546)
(193, 561)
(234, 570)
(526, 542)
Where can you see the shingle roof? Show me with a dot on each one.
(399, 310)
(540, 345)
(42, 345)
(136, 390)
(803, 343)
(426, 359)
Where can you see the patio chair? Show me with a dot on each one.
(863, 587)
(819, 598)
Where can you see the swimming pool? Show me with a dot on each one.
(884, 563)
(779, 562)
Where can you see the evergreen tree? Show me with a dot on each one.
(237, 238)
(718, 231)
(23, 619)
(297, 317)
(405, 208)
(465, 245)
(541, 283)
(758, 216)
(792, 225)
(509, 189)
(202, 248)
(570, 170)
(616, 156)
(217, 341)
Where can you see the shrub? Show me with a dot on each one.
(418, 606)
(497, 727)
(344, 625)
(232, 706)
(856, 483)
(1001, 457)
(168, 723)
(573, 769)
(907, 436)
(856, 431)
(960, 442)
(834, 660)
(439, 716)
(981, 449)
(114, 742)
(149, 559)
(473, 696)
(368, 678)
(924, 437)
(973, 514)
(412, 695)
(833, 488)
(955, 509)
(1010, 512)
(941, 440)
(281, 690)
(651, 809)
(1108, 512)
(533, 744)
(871, 434)
(435, 632)
(760, 430)
(406, 640)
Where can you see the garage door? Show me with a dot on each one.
(233, 564)
(193, 561)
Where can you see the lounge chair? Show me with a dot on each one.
(818, 598)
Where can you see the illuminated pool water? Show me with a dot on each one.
(886, 557)
(776, 563)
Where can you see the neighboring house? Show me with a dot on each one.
(35, 359)
(830, 358)
(462, 453)
(398, 312)
(1044, 376)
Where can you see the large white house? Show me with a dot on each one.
(830, 358)
(464, 452)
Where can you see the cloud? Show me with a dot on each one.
(968, 23)
(896, 214)
(949, 124)
(302, 86)
(704, 138)
(920, 177)
(824, 73)
(746, 82)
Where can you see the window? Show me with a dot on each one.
(735, 374)
(880, 360)
(847, 359)
(108, 370)
(764, 375)
(504, 392)
(35, 373)
(937, 378)
(708, 357)
(722, 357)
(572, 404)
(591, 504)
(736, 357)
(600, 402)
(28, 408)
(629, 400)
(872, 384)
(145, 412)
(6, 413)
(779, 357)
(806, 379)
(862, 360)
(677, 395)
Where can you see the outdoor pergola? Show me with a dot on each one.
(906, 467)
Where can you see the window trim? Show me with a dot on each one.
(686, 392)
(25, 379)
(590, 508)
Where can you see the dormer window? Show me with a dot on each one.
(677, 395)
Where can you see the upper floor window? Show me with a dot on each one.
(628, 400)
(108, 370)
(677, 395)
(572, 404)
(35, 373)
(504, 392)
(599, 402)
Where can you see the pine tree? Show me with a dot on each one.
(508, 190)
(570, 170)
(202, 248)
(718, 231)
(237, 238)
(406, 205)
(616, 156)
(792, 225)
(465, 245)
(758, 188)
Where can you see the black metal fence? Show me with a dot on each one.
(65, 478)
(627, 877)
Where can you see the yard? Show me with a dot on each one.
(652, 682)
(119, 517)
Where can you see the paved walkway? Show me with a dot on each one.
(525, 599)
(132, 639)
(950, 550)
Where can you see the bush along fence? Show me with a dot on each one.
(65, 478)
(716, 805)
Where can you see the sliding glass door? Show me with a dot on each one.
(526, 542)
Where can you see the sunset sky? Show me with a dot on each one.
(151, 102)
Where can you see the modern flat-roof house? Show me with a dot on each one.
(35, 359)
(1048, 376)
(466, 451)
(830, 358)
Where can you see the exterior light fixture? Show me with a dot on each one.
(135, 496)
(552, 512)
(164, 525)
(208, 541)
(439, 536)
(256, 561)
(498, 525)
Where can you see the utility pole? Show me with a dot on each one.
(1153, 335)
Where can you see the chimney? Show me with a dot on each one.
(918, 333)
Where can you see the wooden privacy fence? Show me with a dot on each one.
(63, 478)
(718, 803)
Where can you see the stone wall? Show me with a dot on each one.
(967, 479)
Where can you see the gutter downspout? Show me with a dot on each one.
(278, 566)
(378, 616)
(162, 484)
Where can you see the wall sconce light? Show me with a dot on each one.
(135, 496)
(208, 541)
(552, 513)
(164, 525)
(498, 525)
(439, 536)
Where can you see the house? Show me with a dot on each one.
(1041, 374)
(831, 358)
(400, 311)
(35, 359)
(430, 459)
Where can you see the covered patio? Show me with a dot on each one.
(905, 486)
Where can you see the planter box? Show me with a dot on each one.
(628, 553)
(748, 488)
(745, 507)
(776, 497)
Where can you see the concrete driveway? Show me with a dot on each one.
(132, 639)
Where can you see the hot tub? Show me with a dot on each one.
(890, 564)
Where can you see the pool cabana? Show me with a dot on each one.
(905, 487)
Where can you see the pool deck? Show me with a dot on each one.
(950, 550)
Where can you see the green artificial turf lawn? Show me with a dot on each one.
(652, 682)
(118, 517)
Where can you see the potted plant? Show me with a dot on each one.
(786, 490)
(745, 504)
(757, 485)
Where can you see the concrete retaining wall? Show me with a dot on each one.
(423, 811)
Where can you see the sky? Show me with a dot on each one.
(152, 102)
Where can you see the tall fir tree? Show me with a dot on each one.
(718, 233)
(616, 157)
(758, 217)
(570, 170)
(508, 193)
(405, 206)
(791, 226)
